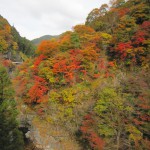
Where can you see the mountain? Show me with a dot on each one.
(37, 41)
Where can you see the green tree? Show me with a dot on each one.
(3, 45)
(24, 45)
(75, 41)
(10, 137)
(114, 111)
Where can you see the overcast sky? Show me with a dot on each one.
(35, 18)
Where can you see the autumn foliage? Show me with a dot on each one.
(37, 91)
(100, 67)
(89, 134)
(47, 47)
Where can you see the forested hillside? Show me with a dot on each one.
(10, 136)
(89, 89)
(13, 48)
(11, 43)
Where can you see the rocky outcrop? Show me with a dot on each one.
(43, 134)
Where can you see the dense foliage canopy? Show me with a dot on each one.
(10, 136)
(93, 82)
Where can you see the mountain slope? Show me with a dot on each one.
(11, 43)
(91, 85)
(37, 41)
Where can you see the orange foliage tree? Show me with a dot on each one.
(37, 92)
(90, 135)
(48, 47)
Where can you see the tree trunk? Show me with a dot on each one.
(118, 140)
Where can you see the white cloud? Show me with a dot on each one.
(34, 18)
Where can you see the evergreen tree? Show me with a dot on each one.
(10, 137)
